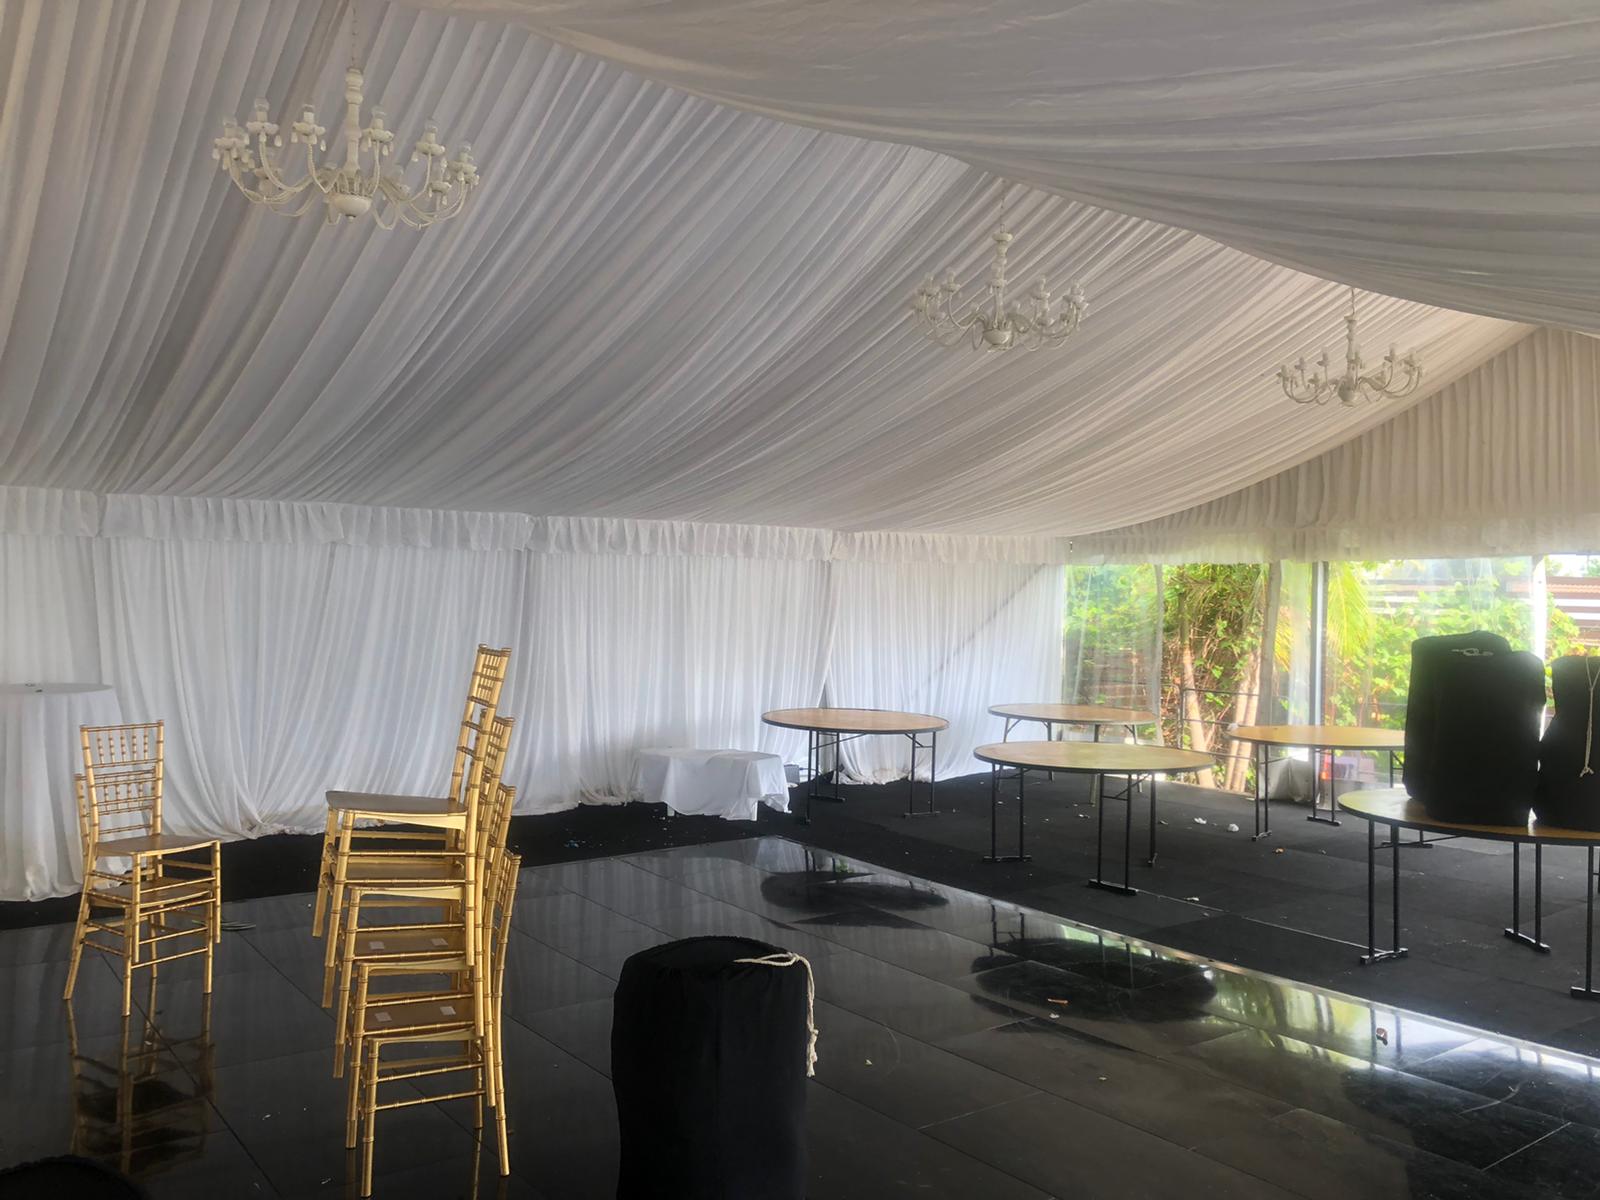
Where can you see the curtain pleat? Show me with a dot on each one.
(1499, 462)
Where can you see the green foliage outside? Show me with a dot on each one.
(1210, 671)
(1369, 650)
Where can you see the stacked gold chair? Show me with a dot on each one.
(152, 904)
(458, 1020)
(433, 822)
(426, 880)
(417, 871)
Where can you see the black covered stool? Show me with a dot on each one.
(1427, 697)
(709, 1057)
(1569, 752)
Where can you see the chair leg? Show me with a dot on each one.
(131, 922)
(370, 1107)
(330, 840)
(331, 930)
(78, 935)
(500, 1138)
(216, 891)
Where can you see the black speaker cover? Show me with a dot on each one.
(708, 1061)
(1484, 740)
(1428, 656)
(1568, 797)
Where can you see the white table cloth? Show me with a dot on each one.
(718, 783)
(39, 754)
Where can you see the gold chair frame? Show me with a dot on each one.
(120, 795)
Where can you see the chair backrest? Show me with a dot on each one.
(483, 702)
(503, 895)
(495, 798)
(123, 769)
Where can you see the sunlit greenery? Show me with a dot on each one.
(1211, 635)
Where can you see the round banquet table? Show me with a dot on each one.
(1093, 715)
(830, 726)
(1097, 760)
(1319, 739)
(40, 752)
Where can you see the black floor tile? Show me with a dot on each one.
(969, 1045)
(1167, 1097)
(906, 1002)
(1065, 1149)
(859, 1154)
(1394, 1104)
(902, 1077)
(1565, 1086)
(1320, 1158)
(1561, 1164)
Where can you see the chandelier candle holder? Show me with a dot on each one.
(990, 322)
(1395, 376)
(249, 155)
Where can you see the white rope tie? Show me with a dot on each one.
(789, 959)
(1588, 730)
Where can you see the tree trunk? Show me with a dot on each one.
(1192, 716)
(1245, 715)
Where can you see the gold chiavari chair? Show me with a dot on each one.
(425, 872)
(136, 889)
(467, 1018)
(347, 811)
(447, 935)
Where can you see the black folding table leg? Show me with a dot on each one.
(1587, 991)
(1515, 932)
(995, 775)
(1151, 861)
(933, 769)
(1261, 794)
(1316, 780)
(1097, 789)
(1395, 950)
(804, 818)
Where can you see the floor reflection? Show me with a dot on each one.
(142, 1102)
(969, 1047)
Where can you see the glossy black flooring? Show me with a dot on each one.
(969, 1048)
(1294, 904)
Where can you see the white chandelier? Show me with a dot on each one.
(349, 189)
(990, 323)
(1305, 386)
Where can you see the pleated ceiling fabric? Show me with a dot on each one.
(657, 308)
(1447, 153)
(1499, 462)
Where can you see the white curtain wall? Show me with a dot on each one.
(296, 647)
(943, 638)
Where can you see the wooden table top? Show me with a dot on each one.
(1393, 806)
(1094, 758)
(1321, 737)
(854, 720)
(1075, 714)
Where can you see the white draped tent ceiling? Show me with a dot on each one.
(664, 307)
